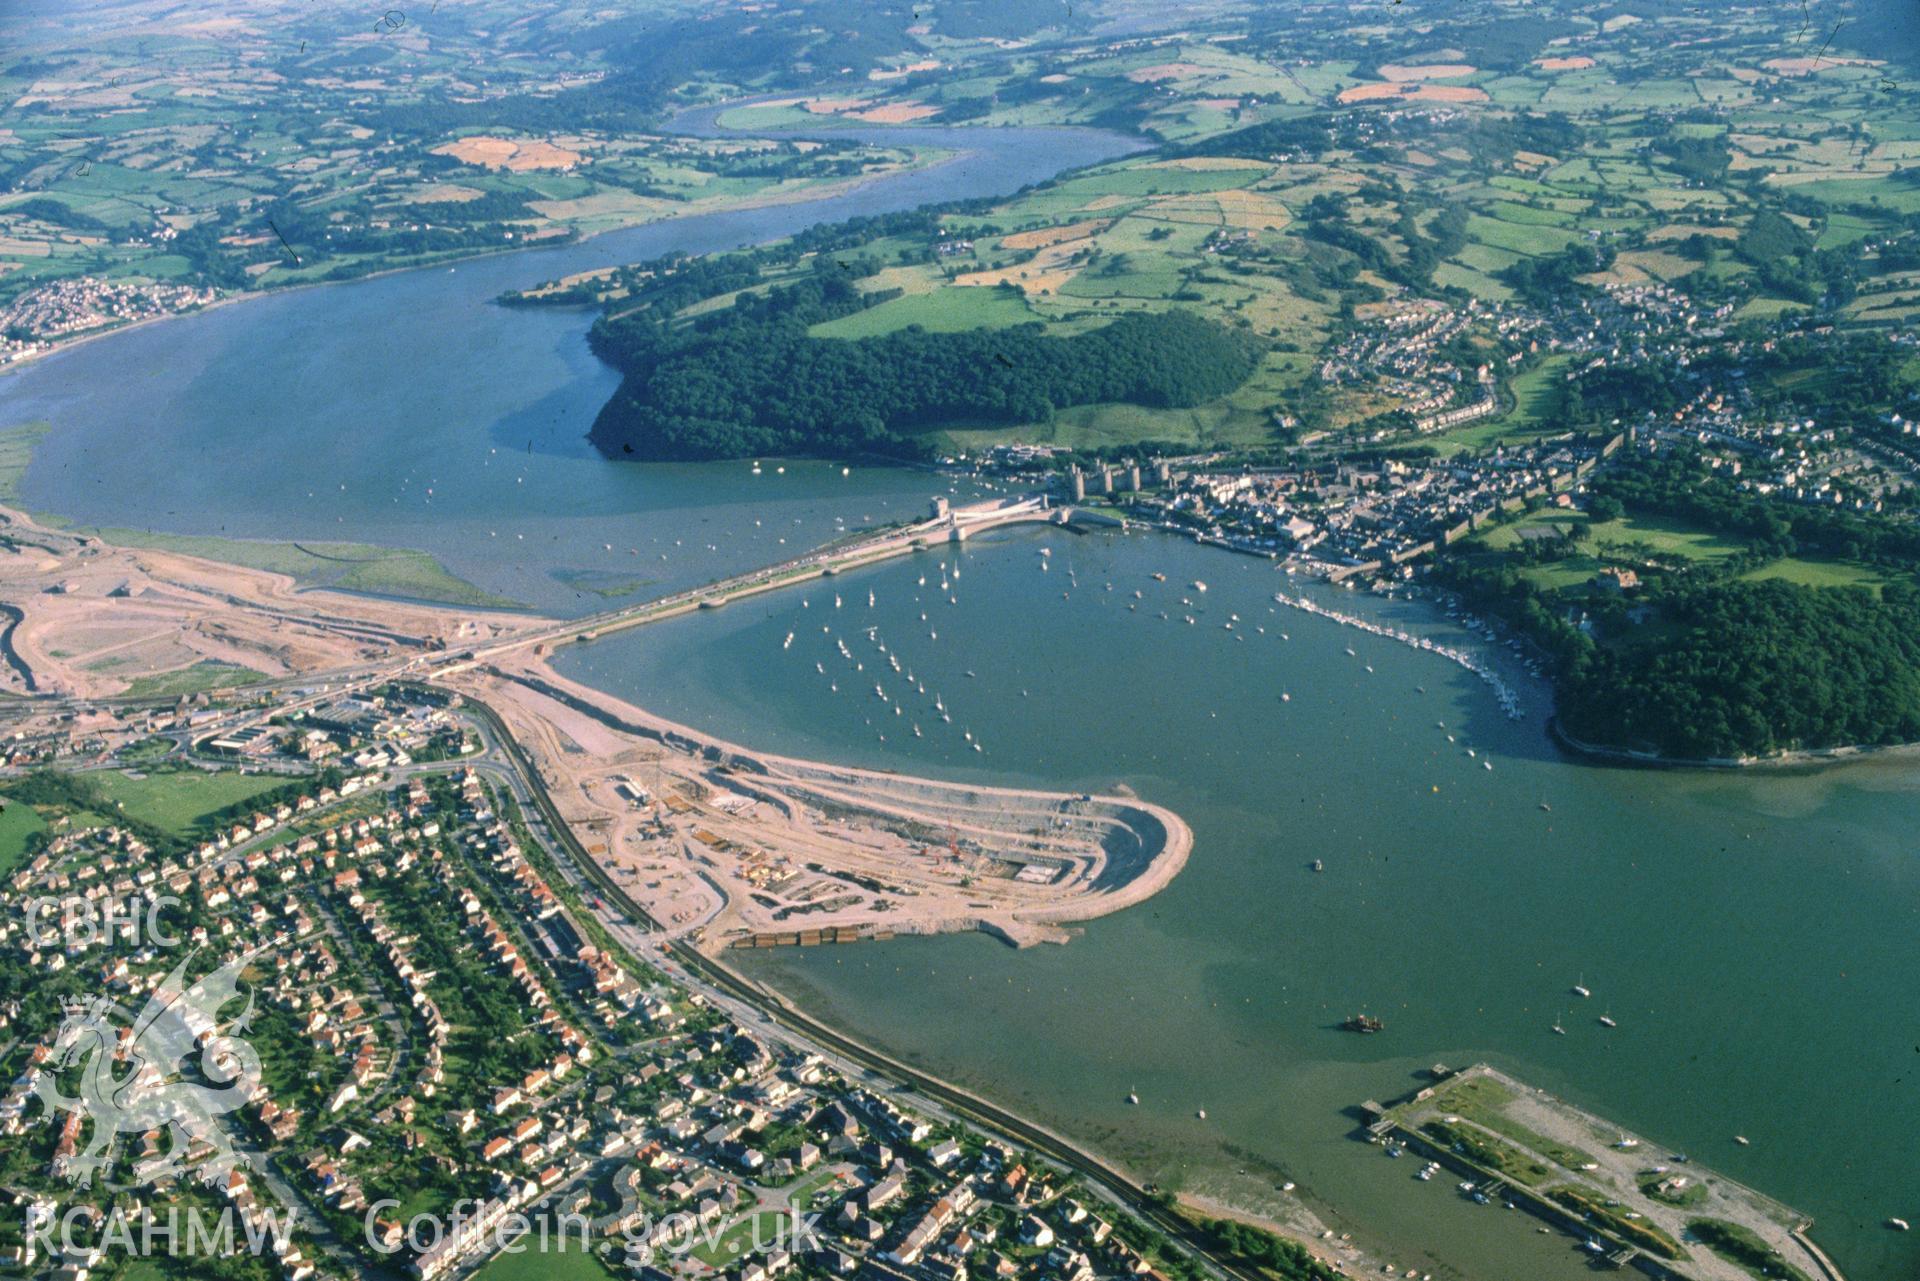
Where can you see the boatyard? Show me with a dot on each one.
(1630, 1201)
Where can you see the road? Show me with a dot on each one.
(769, 1013)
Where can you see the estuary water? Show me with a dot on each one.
(409, 410)
(1754, 936)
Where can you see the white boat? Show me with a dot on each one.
(1742, 1140)
(1899, 1225)
(1202, 1114)
(1606, 1020)
(1198, 586)
(1580, 989)
(1133, 1098)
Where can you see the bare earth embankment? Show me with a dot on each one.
(735, 847)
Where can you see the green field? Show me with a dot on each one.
(1536, 396)
(177, 800)
(736, 1241)
(1652, 537)
(198, 679)
(531, 1264)
(17, 823)
(1531, 239)
(1818, 573)
(946, 310)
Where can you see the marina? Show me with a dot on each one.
(1260, 960)
(1507, 696)
(1247, 957)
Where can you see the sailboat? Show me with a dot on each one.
(1557, 1029)
(1606, 1020)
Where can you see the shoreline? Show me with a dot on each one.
(714, 968)
(826, 190)
(1101, 886)
(1807, 760)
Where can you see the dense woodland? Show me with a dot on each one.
(750, 381)
(1699, 663)
(1752, 668)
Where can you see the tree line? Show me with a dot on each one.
(751, 381)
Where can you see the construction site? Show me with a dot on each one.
(734, 848)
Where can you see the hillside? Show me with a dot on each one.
(750, 380)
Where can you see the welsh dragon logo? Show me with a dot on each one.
(179, 1024)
